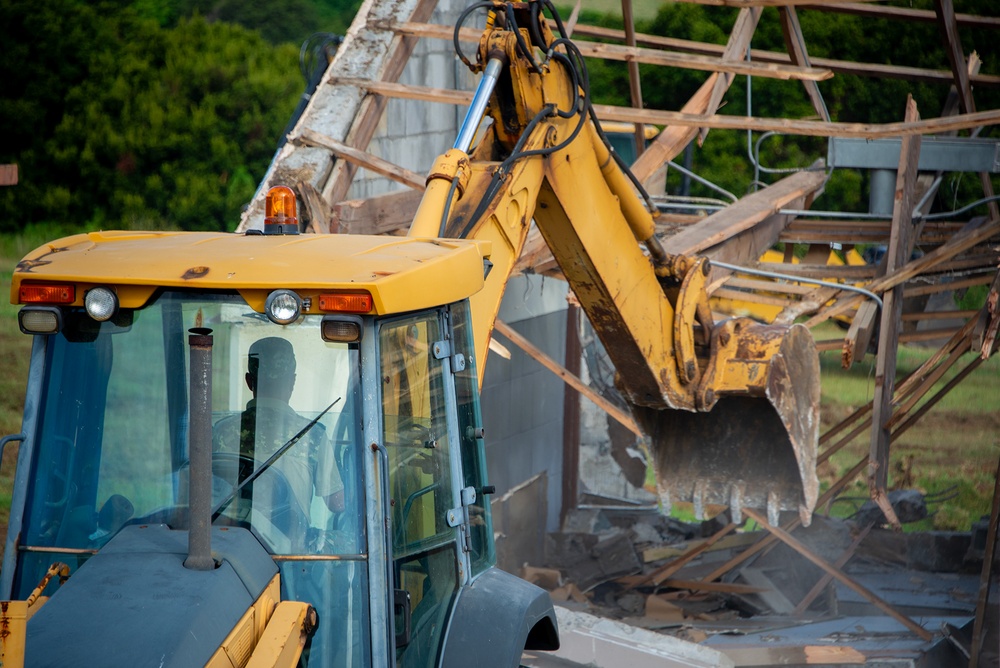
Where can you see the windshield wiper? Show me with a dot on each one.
(270, 460)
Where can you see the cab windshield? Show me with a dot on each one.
(112, 447)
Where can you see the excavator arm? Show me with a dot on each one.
(696, 386)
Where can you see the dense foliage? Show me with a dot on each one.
(150, 114)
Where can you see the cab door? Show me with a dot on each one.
(419, 432)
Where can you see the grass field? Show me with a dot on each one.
(954, 447)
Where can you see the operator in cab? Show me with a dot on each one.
(282, 497)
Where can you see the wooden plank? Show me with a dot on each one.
(848, 582)
(689, 118)
(533, 351)
(408, 92)
(904, 13)
(668, 569)
(729, 542)
(707, 236)
(362, 159)
(650, 167)
(698, 585)
(736, 51)
(945, 11)
(317, 208)
(637, 54)
(900, 242)
(763, 3)
(372, 107)
(383, 214)
(991, 320)
(800, 127)
(859, 335)
(796, 45)
(875, 70)
(634, 82)
(957, 244)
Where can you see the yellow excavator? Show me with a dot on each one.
(266, 448)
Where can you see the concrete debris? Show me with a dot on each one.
(586, 640)
(908, 504)
(775, 609)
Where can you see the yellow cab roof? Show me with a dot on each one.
(401, 273)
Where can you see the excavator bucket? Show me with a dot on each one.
(747, 451)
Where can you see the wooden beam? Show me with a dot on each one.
(763, 3)
(736, 51)
(533, 351)
(383, 214)
(859, 335)
(945, 11)
(650, 167)
(634, 83)
(690, 119)
(625, 53)
(664, 572)
(361, 159)
(318, 210)
(370, 112)
(904, 13)
(877, 70)
(743, 231)
(991, 320)
(959, 243)
(800, 127)
(848, 582)
(796, 45)
(900, 241)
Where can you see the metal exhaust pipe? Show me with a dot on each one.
(200, 452)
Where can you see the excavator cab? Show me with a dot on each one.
(345, 452)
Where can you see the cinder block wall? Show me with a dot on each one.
(412, 133)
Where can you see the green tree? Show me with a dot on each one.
(124, 123)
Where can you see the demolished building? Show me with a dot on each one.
(393, 98)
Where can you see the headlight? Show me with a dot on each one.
(283, 307)
(101, 303)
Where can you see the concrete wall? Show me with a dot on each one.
(412, 133)
(522, 400)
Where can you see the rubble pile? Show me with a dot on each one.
(882, 594)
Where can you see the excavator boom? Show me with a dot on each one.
(696, 386)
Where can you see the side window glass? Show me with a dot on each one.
(470, 424)
(416, 438)
(416, 434)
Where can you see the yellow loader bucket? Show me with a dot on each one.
(756, 447)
